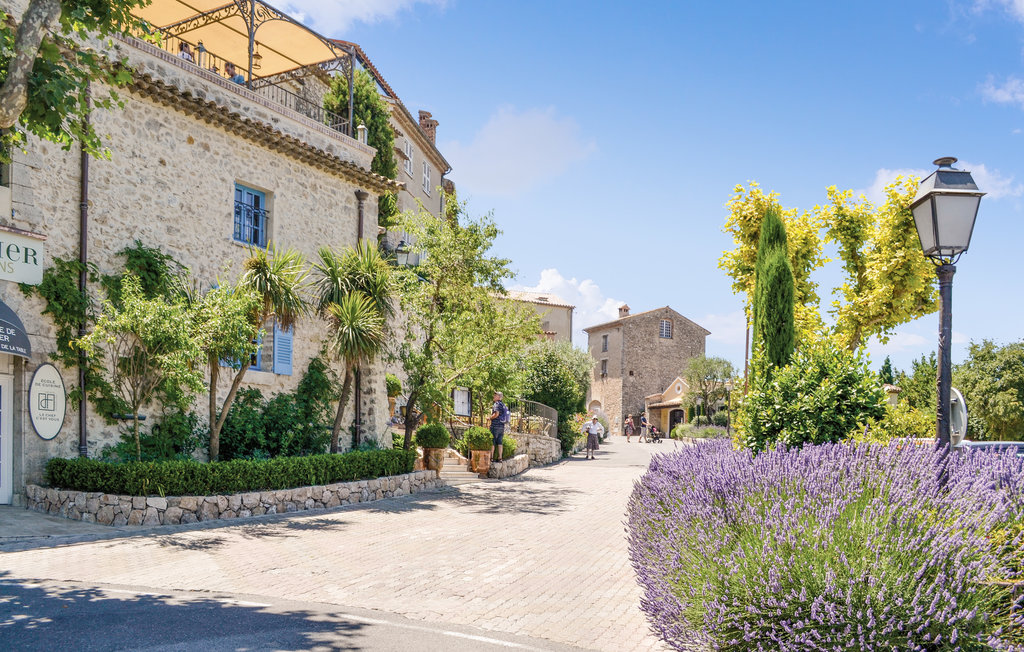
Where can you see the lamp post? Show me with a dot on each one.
(402, 253)
(944, 210)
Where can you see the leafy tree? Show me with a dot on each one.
(557, 375)
(888, 280)
(885, 375)
(826, 394)
(708, 379)
(918, 387)
(774, 330)
(747, 209)
(277, 278)
(45, 72)
(372, 111)
(355, 294)
(149, 346)
(456, 325)
(992, 382)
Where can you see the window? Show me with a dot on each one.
(604, 344)
(251, 218)
(256, 358)
(426, 178)
(545, 326)
(665, 332)
(408, 157)
(604, 367)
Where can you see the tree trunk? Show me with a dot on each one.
(218, 425)
(214, 375)
(42, 16)
(138, 442)
(346, 390)
(410, 426)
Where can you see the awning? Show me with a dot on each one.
(281, 42)
(13, 338)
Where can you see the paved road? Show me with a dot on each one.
(542, 556)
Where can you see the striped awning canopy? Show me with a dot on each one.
(280, 43)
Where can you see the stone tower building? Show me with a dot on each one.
(638, 355)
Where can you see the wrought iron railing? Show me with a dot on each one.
(251, 224)
(198, 55)
(528, 417)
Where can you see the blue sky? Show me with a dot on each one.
(607, 137)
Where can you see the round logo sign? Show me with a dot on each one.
(47, 401)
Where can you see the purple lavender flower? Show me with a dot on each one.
(832, 547)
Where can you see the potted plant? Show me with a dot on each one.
(394, 386)
(480, 442)
(433, 437)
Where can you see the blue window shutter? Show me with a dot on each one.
(257, 357)
(282, 351)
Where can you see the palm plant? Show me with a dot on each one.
(354, 294)
(277, 278)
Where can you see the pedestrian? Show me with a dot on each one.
(185, 52)
(499, 421)
(593, 431)
(233, 74)
(643, 426)
(628, 427)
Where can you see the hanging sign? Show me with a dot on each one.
(13, 338)
(47, 401)
(21, 258)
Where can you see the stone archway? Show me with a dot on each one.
(675, 417)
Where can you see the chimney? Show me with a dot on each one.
(429, 126)
(623, 311)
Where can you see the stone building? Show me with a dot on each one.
(637, 356)
(204, 168)
(554, 312)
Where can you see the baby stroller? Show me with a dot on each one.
(652, 435)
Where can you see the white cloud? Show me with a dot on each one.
(516, 150)
(900, 342)
(334, 17)
(592, 306)
(1010, 91)
(1014, 7)
(991, 182)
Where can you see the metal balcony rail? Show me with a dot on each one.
(200, 56)
(251, 224)
(528, 417)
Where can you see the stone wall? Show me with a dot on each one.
(540, 449)
(108, 509)
(509, 468)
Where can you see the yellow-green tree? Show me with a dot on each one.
(888, 280)
(747, 208)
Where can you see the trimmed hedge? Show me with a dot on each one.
(478, 439)
(432, 435)
(191, 478)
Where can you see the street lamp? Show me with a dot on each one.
(402, 253)
(944, 210)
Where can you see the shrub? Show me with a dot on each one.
(701, 421)
(900, 422)
(682, 430)
(478, 439)
(394, 385)
(832, 547)
(689, 430)
(398, 440)
(824, 395)
(509, 445)
(720, 418)
(432, 435)
(191, 478)
(175, 437)
(244, 431)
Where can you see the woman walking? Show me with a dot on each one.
(593, 431)
(628, 427)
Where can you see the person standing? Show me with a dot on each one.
(628, 427)
(644, 426)
(593, 431)
(499, 421)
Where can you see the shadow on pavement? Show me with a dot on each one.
(40, 617)
(526, 494)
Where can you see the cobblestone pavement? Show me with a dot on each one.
(543, 555)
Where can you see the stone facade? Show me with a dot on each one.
(634, 360)
(509, 468)
(540, 449)
(555, 314)
(109, 509)
(182, 141)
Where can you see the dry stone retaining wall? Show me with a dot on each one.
(109, 509)
(509, 468)
(541, 449)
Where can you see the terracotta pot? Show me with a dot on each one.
(433, 459)
(481, 461)
(391, 405)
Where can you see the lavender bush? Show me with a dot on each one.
(831, 547)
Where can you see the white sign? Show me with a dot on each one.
(21, 258)
(462, 402)
(47, 401)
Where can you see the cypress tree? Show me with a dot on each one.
(774, 327)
